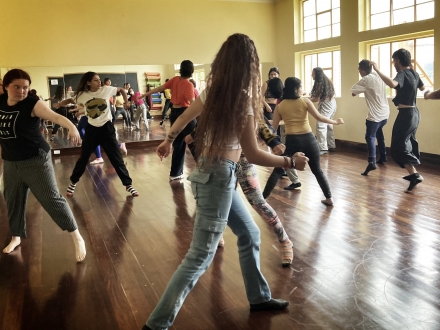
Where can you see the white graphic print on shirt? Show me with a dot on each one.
(7, 124)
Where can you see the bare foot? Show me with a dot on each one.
(80, 247)
(327, 201)
(15, 241)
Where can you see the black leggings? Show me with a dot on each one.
(307, 144)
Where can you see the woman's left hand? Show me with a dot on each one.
(74, 136)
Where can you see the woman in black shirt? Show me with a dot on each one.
(27, 160)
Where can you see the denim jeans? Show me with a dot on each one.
(374, 131)
(217, 204)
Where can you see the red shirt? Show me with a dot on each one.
(182, 91)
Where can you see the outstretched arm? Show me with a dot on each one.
(387, 80)
(312, 110)
(432, 95)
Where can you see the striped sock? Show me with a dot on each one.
(71, 189)
(132, 191)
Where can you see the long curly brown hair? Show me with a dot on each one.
(323, 86)
(233, 85)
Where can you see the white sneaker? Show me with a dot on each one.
(172, 178)
(97, 161)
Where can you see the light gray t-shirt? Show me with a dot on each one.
(376, 96)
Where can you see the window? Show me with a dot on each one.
(330, 62)
(385, 13)
(321, 19)
(422, 59)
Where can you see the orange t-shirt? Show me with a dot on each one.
(182, 91)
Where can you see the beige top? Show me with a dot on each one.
(295, 116)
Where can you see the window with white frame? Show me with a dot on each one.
(330, 62)
(321, 19)
(422, 59)
(385, 13)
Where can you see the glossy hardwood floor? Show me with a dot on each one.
(370, 262)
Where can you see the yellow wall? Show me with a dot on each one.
(354, 110)
(110, 32)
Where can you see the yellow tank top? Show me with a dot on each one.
(295, 116)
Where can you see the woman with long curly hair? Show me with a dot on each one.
(323, 92)
(233, 86)
(95, 99)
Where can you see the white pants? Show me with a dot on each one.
(324, 131)
(141, 110)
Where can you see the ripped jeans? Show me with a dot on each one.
(217, 204)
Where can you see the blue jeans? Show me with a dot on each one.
(217, 204)
(374, 131)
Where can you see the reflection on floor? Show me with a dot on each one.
(125, 135)
(370, 262)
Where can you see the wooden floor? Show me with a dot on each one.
(370, 262)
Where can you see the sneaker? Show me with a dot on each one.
(137, 129)
(293, 186)
(97, 161)
(323, 152)
(161, 123)
(172, 178)
(52, 137)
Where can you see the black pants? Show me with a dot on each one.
(404, 145)
(179, 144)
(166, 106)
(104, 136)
(63, 112)
(307, 144)
(267, 114)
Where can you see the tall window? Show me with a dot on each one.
(422, 59)
(330, 62)
(385, 13)
(321, 19)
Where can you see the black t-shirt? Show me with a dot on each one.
(408, 81)
(20, 135)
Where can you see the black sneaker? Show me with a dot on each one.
(271, 305)
(381, 161)
(293, 186)
(415, 179)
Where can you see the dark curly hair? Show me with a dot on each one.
(403, 56)
(323, 86)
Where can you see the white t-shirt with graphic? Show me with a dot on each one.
(97, 105)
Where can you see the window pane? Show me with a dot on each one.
(425, 11)
(322, 5)
(310, 35)
(402, 4)
(423, 1)
(374, 54)
(379, 6)
(325, 60)
(309, 7)
(324, 19)
(336, 16)
(310, 22)
(336, 4)
(403, 16)
(324, 32)
(310, 63)
(336, 31)
(407, 44)
(380, 20)
(424, 65)
(337, 72)
(329, 74)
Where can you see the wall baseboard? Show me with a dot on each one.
(426, 158)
